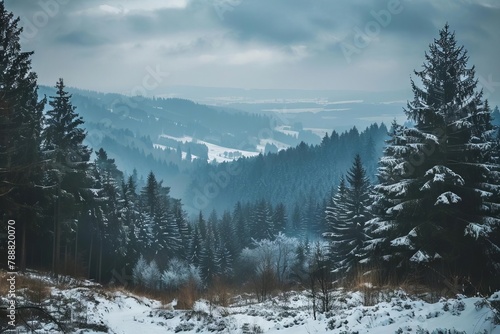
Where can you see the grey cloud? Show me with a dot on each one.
(273, 24)
(477, 23)
(82, 38)
(165, 21)
(140, 24)
(283, 21)
(196, 46)
(407, 22)
(178, 36)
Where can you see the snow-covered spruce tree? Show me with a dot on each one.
(112, 238)
(63, 133)
(263, 226)
(149, 201)
(298, 227)
(20, 114)
(184, 229)
(336, 217)
(130, 213)
(390, 175)
(169, 235)
(158, 227)
(195, 247)
(227, 233)
(369, 157)
(241, 227)
(223, 261)
(437, 198)
(208, 265)
(311, 224)
(347, 219)
(279, 218)
(212, 224)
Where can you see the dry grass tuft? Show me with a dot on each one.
(219, 293)
(187, 296)
(33, 290)
(376, 285)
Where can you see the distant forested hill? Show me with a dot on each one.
(292, 177)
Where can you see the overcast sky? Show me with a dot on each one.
(120, 45)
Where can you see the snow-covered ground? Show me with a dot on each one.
(401, 313)
(94, 309)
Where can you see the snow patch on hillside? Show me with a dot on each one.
(263, 142)
(287, 130)
(215, 152)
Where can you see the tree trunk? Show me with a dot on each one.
(76, 251)
(90, 252)
(56, 256)
(23, 248)
(313, 293)
(65, 258)
(58, 235)
(100, 259)
(54, 237)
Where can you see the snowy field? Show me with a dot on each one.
(401, 314)
(98, 310)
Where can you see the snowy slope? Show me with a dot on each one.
(400, 313)
(91, 308)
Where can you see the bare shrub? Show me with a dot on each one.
(188, 294)
(264, 283)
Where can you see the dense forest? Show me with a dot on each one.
(431, 213)
(293, 176)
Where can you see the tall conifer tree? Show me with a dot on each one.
(347, 219)
(439, 200)
(21, 115)
(63, 142)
